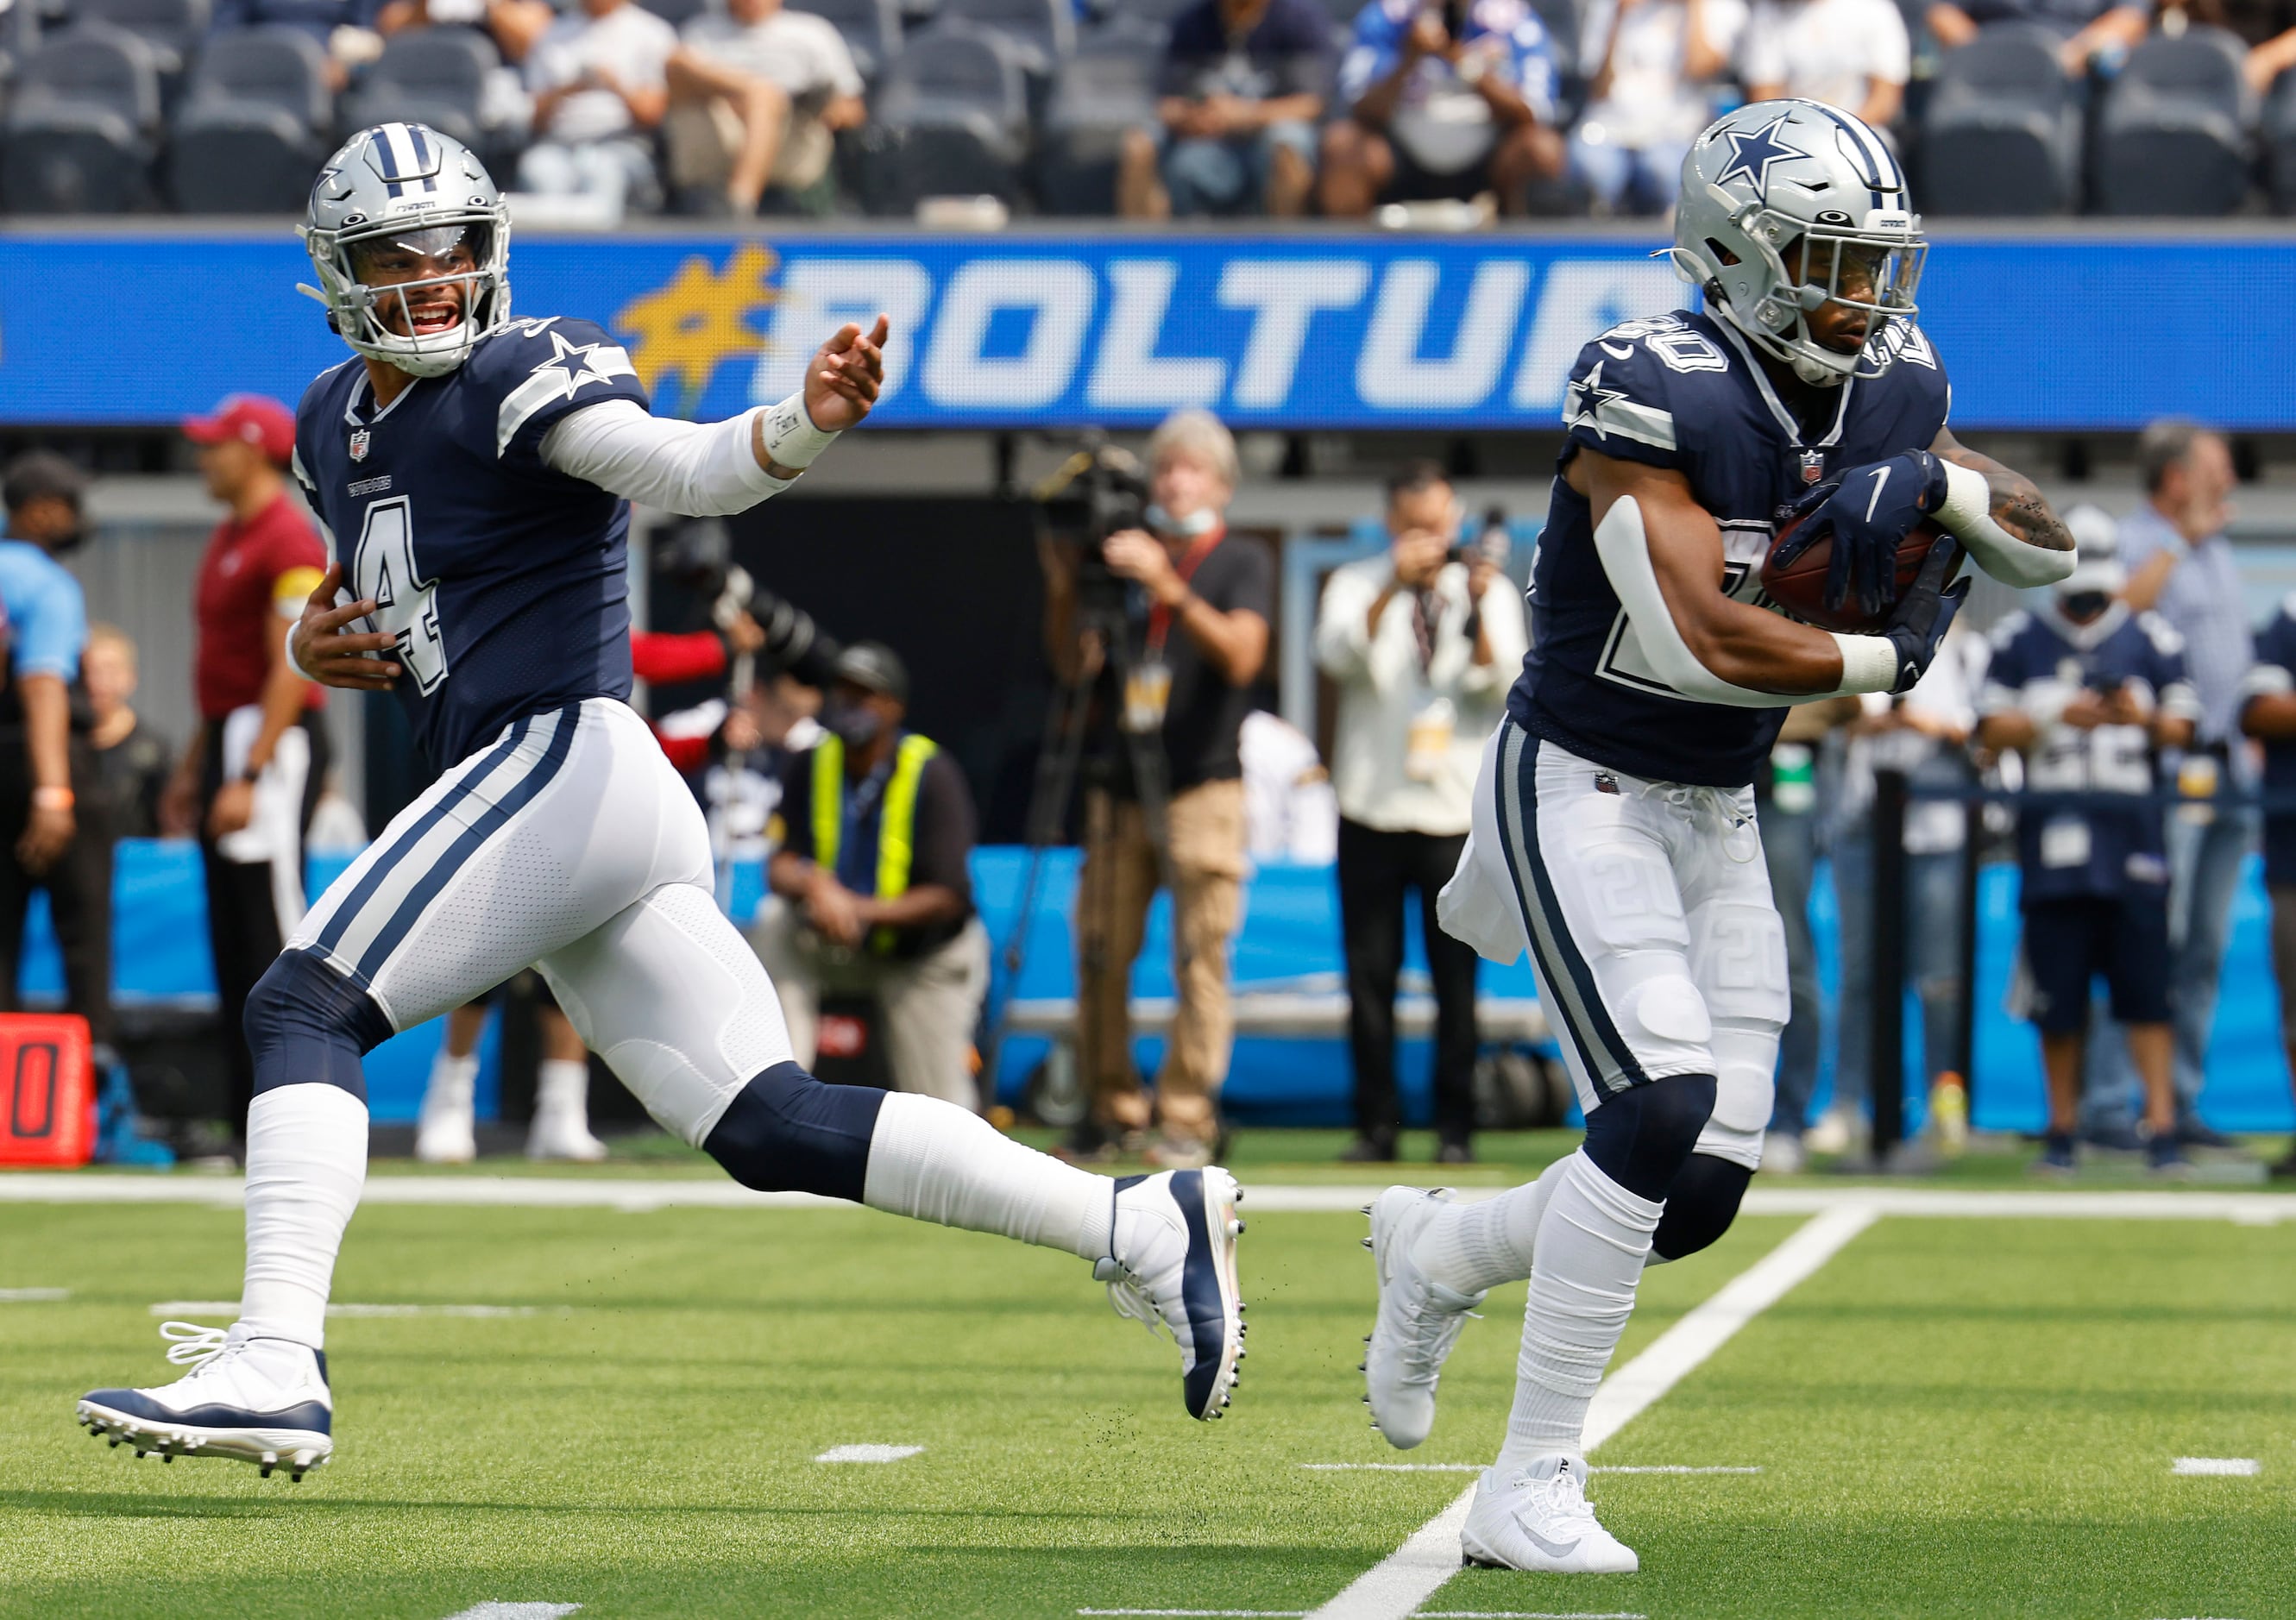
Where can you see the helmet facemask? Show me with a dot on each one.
(371, 297)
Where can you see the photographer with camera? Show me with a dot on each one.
(1422, 642)
(1193, 612)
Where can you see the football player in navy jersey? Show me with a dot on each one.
(474, 471)
(1614, 823)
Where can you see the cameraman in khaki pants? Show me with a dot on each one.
(1196, 620)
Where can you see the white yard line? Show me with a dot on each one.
(868, 1453)
(33, 1295)
(2243, 1468)
(639, 1194)
(230, 1307)
(1395, 1587)
(515, 1611)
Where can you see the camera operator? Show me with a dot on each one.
(1196, 616)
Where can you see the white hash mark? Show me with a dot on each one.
(868, 1453)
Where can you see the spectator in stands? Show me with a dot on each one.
(344, 28)
(2268, 714)
(1244, 84)
(2089, 690)
(2086, 27)
(54, 827)
(1444, 100)
(1651, 63)
(248, 783)
(1853, 55)
(599, 91)
(1196, 628)
(1423, 648)
(757, 93)
(134, 762)
(875, 896)
(515, 26)
(1785, 797)
(2181, 565)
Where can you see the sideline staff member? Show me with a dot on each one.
(1198, 623)
(875, 896)
(53, 823)
(251, 777)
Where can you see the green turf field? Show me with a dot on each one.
(1953, 1417)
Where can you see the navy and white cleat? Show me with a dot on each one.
(1174, 1263)
(263, 1400)
(1419, 1319)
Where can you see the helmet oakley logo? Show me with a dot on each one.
(360, 439)
(1752, 152)
(1835, 217)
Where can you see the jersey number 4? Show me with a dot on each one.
(406, 604)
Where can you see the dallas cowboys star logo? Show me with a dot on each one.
(579, 364)
(1583, 404)
(1752, 152)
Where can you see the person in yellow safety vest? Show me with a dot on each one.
(870, 890)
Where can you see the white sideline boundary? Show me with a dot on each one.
(637, 1195)
(1395, 1587)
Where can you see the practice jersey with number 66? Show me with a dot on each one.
(502, 578)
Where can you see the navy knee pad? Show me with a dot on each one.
(787, 1132)
(307, 1023)
(1641, 1136)
(1699, 1206)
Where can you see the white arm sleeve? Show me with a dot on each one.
(1624, 546)
(1967, 514)
(698, 470)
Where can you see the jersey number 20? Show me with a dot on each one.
(406, 604)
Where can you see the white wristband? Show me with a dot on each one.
(1967, 515)
(792, 440)
(1869, 663)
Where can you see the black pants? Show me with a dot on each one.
(1375, 870)
(79, 886)
(243, 920)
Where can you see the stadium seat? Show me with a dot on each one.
(952, 120)
(2001, 134)
(677, 13)
(2279, 137)
(1107, 87)
(254, 124)
(2172, 137)
(433, 76)
(871, 30)
(1043, 32)
(171, 27)
(80, 130)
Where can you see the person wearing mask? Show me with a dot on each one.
(2090, 690)
(249, 782)
(135, 764)
(1422, 648)
(2182, 566)
(1196, 615)
(55, 831)
(2267, 713)
(875, 896)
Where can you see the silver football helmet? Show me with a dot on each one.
(1774, 178)
(405, 194)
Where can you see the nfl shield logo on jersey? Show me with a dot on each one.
(360, 439)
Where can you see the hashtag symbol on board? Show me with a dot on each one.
(699, 321)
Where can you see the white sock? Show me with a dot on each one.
(1591, 1248)
(1474, 1247)
(306, 1164)
(451, 1082)
(562, 1086)
(938, 1162)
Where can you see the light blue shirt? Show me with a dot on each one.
(2204, 600)
(47, 614)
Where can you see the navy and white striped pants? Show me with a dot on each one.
(567, 844)
(1646, 908)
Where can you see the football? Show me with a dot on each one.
(1800, 587)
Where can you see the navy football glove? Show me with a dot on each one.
(1926, 612)
(1868, 511)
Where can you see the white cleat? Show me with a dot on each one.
(1538, 1517)
(443, 1133)
(1419, 1319)
(1174, 1263)
(263, 1400)
(563, 1133)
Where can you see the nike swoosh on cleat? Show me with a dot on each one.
(1554, 1550)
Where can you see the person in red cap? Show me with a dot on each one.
(246, 785)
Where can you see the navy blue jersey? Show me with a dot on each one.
(1683, 391)
(2275, 670)
(502, 580)
(2039, 661)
